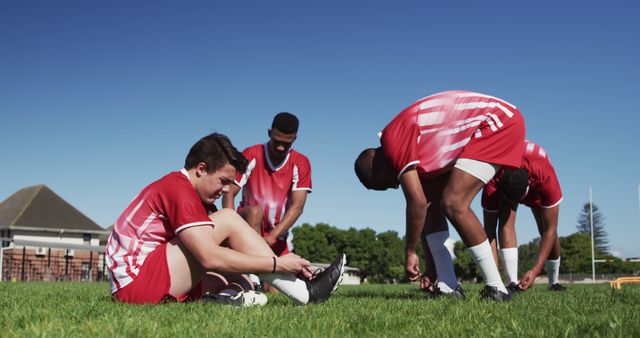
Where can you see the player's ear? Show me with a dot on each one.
(201, 169)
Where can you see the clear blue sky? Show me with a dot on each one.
(98, 99)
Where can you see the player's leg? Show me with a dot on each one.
(190, 281)
(509, 246)
(460, 190)
(228, 227)
(253, 215)
(490, 228)
(437, 233)
(429, 277)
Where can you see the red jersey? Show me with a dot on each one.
(154, 217)
(268, 186)
(544, 187)
(435, 131)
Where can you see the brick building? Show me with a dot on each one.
(44, 238)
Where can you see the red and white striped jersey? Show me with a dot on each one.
(432, 133)
(154, 217)
(268, 186)
(544, 187)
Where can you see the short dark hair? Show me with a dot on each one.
(513, 184)
(285, 122)
(215, 150)
(364, 166)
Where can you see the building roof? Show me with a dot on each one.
(39, 207)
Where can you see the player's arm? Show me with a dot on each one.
(291, 215)
(228, 198)
(416, 213)
(547, 219)
(204, 245)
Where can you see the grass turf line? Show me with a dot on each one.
(86, 310)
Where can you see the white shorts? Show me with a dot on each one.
(482, 170)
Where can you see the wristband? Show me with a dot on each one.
(274, 264)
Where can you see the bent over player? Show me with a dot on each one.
(535, 185)
(442, 150)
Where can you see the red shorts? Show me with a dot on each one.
(504, 146)
(280, 247)
(153, 283)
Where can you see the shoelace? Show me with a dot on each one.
(315, 273)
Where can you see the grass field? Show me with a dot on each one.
(86, 310)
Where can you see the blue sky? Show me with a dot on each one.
(98, 99)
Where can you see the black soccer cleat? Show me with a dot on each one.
(327, 281)
(492, 293)
(458, 293)
(514, 288)
(557, 287)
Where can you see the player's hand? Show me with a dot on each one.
(293, 264)
(413, 266)
(527, 280)
(426, 284)
(270, 241)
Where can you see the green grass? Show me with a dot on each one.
(86, 310)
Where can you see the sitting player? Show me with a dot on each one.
(169, 240)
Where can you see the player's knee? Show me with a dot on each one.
(225, 216)
(453, 205)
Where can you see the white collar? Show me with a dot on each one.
(185, 173)
(266, 155)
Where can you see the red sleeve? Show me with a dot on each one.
(183, 208)
(399, 142)
(550, 194)
(250, 155)
(301, 173)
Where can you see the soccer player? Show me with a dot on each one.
(442, 150)
(535, 185)
(275, 185)
(169, 240)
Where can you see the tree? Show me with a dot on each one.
(311, 242)
(576, 253)
(599, 234)
(393, 254)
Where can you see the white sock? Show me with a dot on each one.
(510, 262)
(483, 256)
(254, 279)
(294, 288)
(553, 270)
(447, 281)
